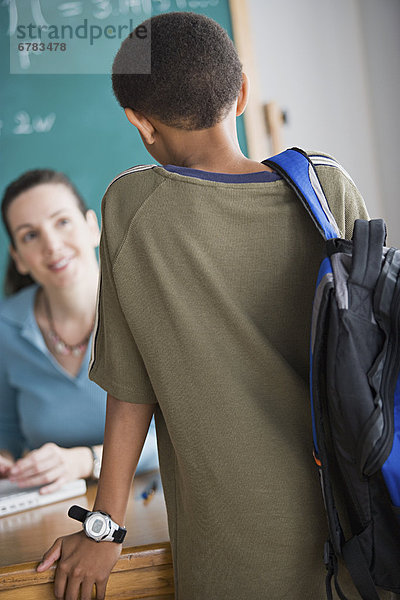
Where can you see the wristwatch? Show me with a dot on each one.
(98, 525)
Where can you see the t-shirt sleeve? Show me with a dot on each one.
(344, 198)
(116, 365)
(354, 208)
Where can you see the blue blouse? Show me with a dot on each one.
(39, 400)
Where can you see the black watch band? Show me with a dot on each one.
(119, 535)
(78, 513)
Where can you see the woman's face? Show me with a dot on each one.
(54, 241)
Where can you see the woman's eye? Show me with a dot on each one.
(30, 235)
(63, 222)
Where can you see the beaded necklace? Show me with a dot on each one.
(60, 346)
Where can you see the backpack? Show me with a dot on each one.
(355, 387)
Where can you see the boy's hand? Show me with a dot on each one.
(82, 564)
(82, 561)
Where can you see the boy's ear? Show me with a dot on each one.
(19, 263)
(142, 124)
(243, 95)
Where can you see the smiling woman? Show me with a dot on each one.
(51, 415)
(54, 242)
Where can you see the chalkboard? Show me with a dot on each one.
(71, 121)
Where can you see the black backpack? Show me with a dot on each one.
(355, 387)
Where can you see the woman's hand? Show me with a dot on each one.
(51, 466)
(6, 463)
(82, 564)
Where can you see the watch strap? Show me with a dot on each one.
(78, 513)
(119, 535)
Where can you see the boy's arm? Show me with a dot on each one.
(82, 561)
(126, 428)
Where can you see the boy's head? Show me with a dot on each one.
(195, 76)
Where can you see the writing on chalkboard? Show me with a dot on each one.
(26, 124)
(24, 58)
(101, 9)
(100, 24)
(36, 10)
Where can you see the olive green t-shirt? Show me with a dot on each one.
(204, 310)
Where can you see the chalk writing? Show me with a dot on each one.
(26, 125)
(70, 9)
(24, 52)
(182, 4)
(13, 17)
(41, 125)
(202, 3)
(36, 11)
(163, 5)
(24, 60)
(23, 121)
(100, 9)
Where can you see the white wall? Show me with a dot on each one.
(380, 21)
(333, 66)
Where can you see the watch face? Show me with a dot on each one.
(97, 525)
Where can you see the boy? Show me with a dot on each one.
(208, 270)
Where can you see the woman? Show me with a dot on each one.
(51, 415)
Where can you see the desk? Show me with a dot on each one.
(144, 570)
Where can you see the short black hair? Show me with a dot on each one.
(195, 76)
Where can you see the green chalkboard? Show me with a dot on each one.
(71, 121)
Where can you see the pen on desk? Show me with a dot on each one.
(148, 493)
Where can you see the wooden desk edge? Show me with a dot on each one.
(139, 557)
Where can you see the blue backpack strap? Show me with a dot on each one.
(298, 171)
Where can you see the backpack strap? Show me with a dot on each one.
(297, 169)
(358, 568)
(368, 240)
